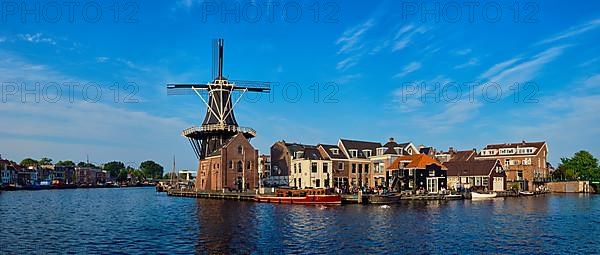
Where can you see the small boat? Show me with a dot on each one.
(453, 197)
(483, 195)
(301, 196)
(526, 193)
(390, 198)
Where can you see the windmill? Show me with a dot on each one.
(219, 124)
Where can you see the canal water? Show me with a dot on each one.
(141, 221)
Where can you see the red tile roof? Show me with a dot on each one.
(419, 161)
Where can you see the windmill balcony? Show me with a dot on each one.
(218, 128)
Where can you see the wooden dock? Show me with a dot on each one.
(213, 195)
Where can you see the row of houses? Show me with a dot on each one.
(352, 164)
(19, 176)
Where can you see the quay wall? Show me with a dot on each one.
(570, 187)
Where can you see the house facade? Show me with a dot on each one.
(7, 172)
(385, 156)
(525, 163)
(478, 175)
(340, 167)
(359, 155)
(234, 166)
(311, 169)
(281, 161)
(418, 172)
(264, 167)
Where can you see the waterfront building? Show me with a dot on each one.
(264, 168)
(310, 169)
(233, 166)
(479, 175)
(7, 172)
(85, 176)
(226, 158)
(418, 172)
(340, 167)
(525, 162)
(385, 156)
(282, 154)
(359, 154)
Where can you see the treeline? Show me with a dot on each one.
(146, 170)
(582, 166)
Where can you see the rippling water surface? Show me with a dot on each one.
(140, 221)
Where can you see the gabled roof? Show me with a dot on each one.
(217, 151)
(426, 150)
(327, 148)
(471, 167)
(463, 156)
(311, 153)
(419, 161)
(360, 146)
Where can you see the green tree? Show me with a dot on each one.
(29, 162)
(122, 175)
(151, 169)
(45, 161)
(114, 167)
(582, 165)
(65, 163)
(83, 164)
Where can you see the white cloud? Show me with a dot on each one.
(347, 78)
(36, 38)
(471, 62)
(463, 52)
(573, 31)
(410, 68)
(498, 67)
(348, 62)
(350, 39)
(406, 35)
(102, 59)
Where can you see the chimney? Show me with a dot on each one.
(523, 141)
(391, 139)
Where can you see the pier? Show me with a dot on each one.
(246, 196)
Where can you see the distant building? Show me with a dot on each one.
(385, 156)
(89, 176)
(264, 167)
(188, 175)
(525, 163)
(7, 172)
(416, 172)
(480, 175)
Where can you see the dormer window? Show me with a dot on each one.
(353, 153)
(367, 153)
(380, 151)
(335, 151)
(299, 154)
(398, 150)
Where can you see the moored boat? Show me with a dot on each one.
(301, 196)
(453, 197)
(476, 195)
(526, 193)
(390, 198)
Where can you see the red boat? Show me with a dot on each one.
(301, 196)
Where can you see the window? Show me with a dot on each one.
(325, 167)
(248, 165)
(353, 153)
(520, 175)
(353, 183)
(360, 168)
(485, 181)
(335, 151)
(295, 168)
(340, 166)
(398, 150)
(299, 168)
(477, 181)
(431, 172)
(230, 163)
(526, 161)
(240, 166)
(366, 168)
(240, 149)
(299, 154)
(313, 167)
(410, 172)
(367, 153)
(353, 168)
(507, 162)
(318, 185)
(380, 151)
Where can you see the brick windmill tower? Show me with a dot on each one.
(227, 160)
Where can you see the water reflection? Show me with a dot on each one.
(140, 221)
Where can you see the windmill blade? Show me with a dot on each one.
(184, 89)
(252, 86)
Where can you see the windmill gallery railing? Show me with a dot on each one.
(218, 127)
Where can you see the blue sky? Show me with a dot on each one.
(368, 61)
